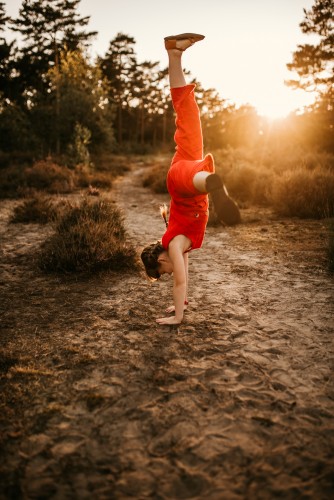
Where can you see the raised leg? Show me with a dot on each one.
(188, 134)
(175, 70)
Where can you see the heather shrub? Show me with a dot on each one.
(155, 179)
(248, 184)
(46, 175)
(38, 209)
(88, 237)
(112, 164)
(241, 181)
(304, 193)
(85, 177)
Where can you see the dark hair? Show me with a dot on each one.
(150, 256)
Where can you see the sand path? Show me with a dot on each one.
(237, 402)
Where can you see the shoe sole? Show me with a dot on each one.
(185, 36)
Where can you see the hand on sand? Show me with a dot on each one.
(170, 320)
(171, 309)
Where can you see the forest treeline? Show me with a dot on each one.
(54, 100)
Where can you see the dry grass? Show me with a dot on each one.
(88, 237)
(48, 176)
(85, 178)
(294, 183)
(54, 177)
(304, 193)
(156, 178)
(39, 209)
(112, 164)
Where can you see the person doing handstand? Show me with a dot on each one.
(189, 180)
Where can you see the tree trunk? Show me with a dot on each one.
(142, 125)
(57, 101)
(120, 125)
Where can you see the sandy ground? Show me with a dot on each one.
(98, 401)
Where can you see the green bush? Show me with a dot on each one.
(304, 193)
(15, 129)
(38, 209)
(88, 237)
(77, 150)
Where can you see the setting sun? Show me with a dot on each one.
(281, 103)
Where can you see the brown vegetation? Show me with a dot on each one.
(39, 208)
(295, 184)
(54, 177)
(48, 176)
(88, 237)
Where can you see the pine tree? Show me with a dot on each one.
(6, 56)
(148, 94)
(47, 27)
(314, 62)
(119, 67)
(314, 66)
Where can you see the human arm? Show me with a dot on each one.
(176, 253)
(171, 309)
(186, 261)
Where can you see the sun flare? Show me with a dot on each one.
(283, 102)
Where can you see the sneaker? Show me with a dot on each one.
(226, 209)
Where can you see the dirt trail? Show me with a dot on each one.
(237, 402)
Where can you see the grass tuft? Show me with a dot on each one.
(85, 178)
(304, 193)
(293, 183)
(88, 237)
(37, 209)
(155, 179)
(45, 175)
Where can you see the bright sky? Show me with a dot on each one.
(244, 55)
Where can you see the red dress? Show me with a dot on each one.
(188, 213)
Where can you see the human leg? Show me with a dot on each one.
(226, 209)
(175, 70)
(188, 134)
